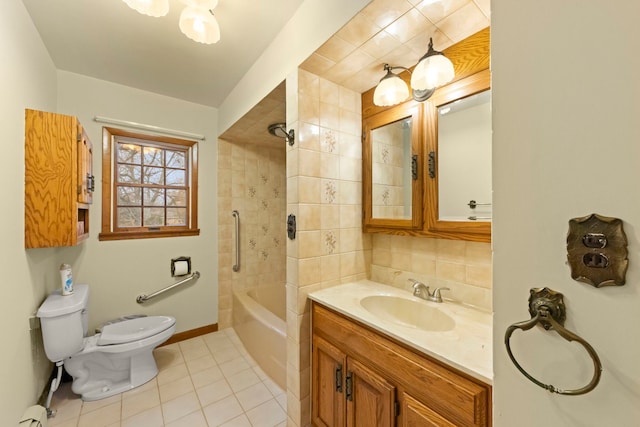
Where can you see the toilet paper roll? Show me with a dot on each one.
(180, 268)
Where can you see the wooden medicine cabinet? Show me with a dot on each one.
(451, 195)
(59, 180)
(391, 175)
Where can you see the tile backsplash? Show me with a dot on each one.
(464, 267)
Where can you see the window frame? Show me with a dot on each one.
(109, 229)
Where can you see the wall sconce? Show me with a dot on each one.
(432, 71)
(392, 89)
(196, 20)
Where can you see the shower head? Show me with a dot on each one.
(280, 130)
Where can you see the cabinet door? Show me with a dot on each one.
(370, 398)
(416, 414)
(86, 182)
(327, 379)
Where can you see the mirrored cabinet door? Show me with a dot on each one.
(459, 136)
(392, 176)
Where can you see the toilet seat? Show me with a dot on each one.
(134, 330)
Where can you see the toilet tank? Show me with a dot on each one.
(63, 319)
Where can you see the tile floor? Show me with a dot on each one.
(205, 381)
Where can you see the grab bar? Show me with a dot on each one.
(144, 297)
(236, 215)
(547, 308)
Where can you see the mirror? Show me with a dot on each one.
(459, 136)
(464, 159)
(391, 180)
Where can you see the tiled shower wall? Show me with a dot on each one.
(251, 180)
(464, 267)
(324, 184)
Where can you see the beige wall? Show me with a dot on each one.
(118, 271)
(251, 180)
(324, 183)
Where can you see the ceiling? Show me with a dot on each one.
(386, 31)
(108, 40)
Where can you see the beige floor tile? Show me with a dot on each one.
(200, 364)
(225, 354)
(272, 386)
(193, 348)
(234, 366)
(149, 385)
(222, 411)
(243, 379)
(282, 401)
(97, 404)
(266, 415)
(172, 373)
(73, 422)
(150, 418)
(194, 419)
(170, 391)
(206, 377)
(213, 392)
(241, 421)
(101, 417)
(169, 355)
(135, 403)
(180, 406)
(253, 396)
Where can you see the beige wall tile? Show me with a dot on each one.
(479, 275)
(358, 30)
(309, 163)
(309, 190)
(334, 50)
(450, 271)
(384, 12)
(329, 216)
(451, 250)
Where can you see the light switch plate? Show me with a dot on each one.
(597, 250)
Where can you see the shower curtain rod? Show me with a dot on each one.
(150, 128)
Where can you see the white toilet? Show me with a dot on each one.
(115, 360)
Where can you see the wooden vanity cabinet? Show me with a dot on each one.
(59, 180)
(363, 378)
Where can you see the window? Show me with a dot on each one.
(149, 186)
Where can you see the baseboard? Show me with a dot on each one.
(192, 333)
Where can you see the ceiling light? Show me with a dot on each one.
(391, 90)
(153, 8)
(199, 25)
(433, 70)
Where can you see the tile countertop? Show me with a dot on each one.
(467, 347)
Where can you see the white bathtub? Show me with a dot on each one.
(259, 319)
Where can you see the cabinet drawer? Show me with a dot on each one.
(460, 399)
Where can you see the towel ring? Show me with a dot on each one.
(547, 308)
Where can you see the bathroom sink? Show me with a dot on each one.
(408, 312)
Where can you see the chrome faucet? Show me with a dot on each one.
(421, 290)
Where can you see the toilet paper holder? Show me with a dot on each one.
(180, 266)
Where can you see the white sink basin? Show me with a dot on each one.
(408, 312)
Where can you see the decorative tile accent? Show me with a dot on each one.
(276, 242)
(264, 204)
(264, 178)
(330, 192)
(265, 229)
(386, 196)
(252, 243)
(329, 141)
(330, 242)
(264, 255)
(276, 192)
(385, 155)
(252, 192)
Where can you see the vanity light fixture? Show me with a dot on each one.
(155, 8)
(392, 89)
(432, 71)
(196, 20)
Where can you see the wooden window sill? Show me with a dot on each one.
(128, 235)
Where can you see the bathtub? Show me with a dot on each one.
(259, 319)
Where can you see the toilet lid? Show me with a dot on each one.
(134, 329)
